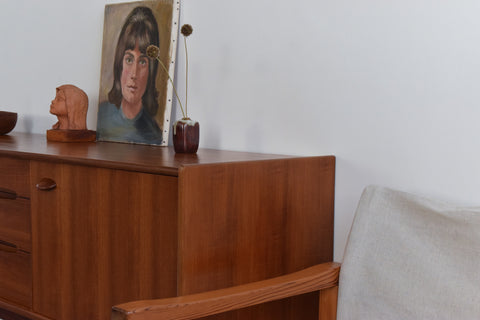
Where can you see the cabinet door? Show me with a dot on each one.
(101, 237)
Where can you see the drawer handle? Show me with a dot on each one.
(7, 194)
(46, 184)
(7, 246)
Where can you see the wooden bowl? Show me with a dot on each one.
(8, 120)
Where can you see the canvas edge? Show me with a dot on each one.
(171, 71)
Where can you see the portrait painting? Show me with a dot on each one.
(135, 97)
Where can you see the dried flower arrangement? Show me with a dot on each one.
(154, 52)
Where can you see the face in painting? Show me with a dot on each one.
(134, 77)
(59, 105)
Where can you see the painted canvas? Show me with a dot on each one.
(135, 96)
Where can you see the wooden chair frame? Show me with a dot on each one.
(322, 278)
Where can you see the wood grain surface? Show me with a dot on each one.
(101, 237)
(254, 220)
(132, 157)
(316, 278)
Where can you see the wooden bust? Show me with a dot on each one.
(70, 106)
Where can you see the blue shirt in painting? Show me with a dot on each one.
(114, 126)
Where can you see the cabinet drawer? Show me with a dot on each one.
(15, 275)
(15, 223)
(14, 176)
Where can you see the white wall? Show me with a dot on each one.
(389, 87)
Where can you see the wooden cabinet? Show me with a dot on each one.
(128, 222)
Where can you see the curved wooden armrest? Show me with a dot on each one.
(316, 278)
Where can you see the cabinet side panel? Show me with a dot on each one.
(310, 225)
(100, 238)
(243, 222)
(310, 206)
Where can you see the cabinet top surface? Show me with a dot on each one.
(135, 157)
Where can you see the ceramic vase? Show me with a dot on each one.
(186, 135)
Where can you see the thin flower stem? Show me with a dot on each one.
(174, 89)
(186, 77)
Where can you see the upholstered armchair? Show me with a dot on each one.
(407, 257)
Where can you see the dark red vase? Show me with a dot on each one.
(186, 135)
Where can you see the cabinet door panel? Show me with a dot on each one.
(15, 275)
(14, 176)
(101, 237)
(15, 222)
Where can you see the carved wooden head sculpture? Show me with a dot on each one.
(70, 106)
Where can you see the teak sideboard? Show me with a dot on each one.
(85, 226)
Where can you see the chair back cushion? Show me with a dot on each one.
(409, 257)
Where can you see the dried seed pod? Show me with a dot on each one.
(186, 30)
(153, 51)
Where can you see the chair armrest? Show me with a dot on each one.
(322, 276)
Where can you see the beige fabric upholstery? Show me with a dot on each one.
(409, 257)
